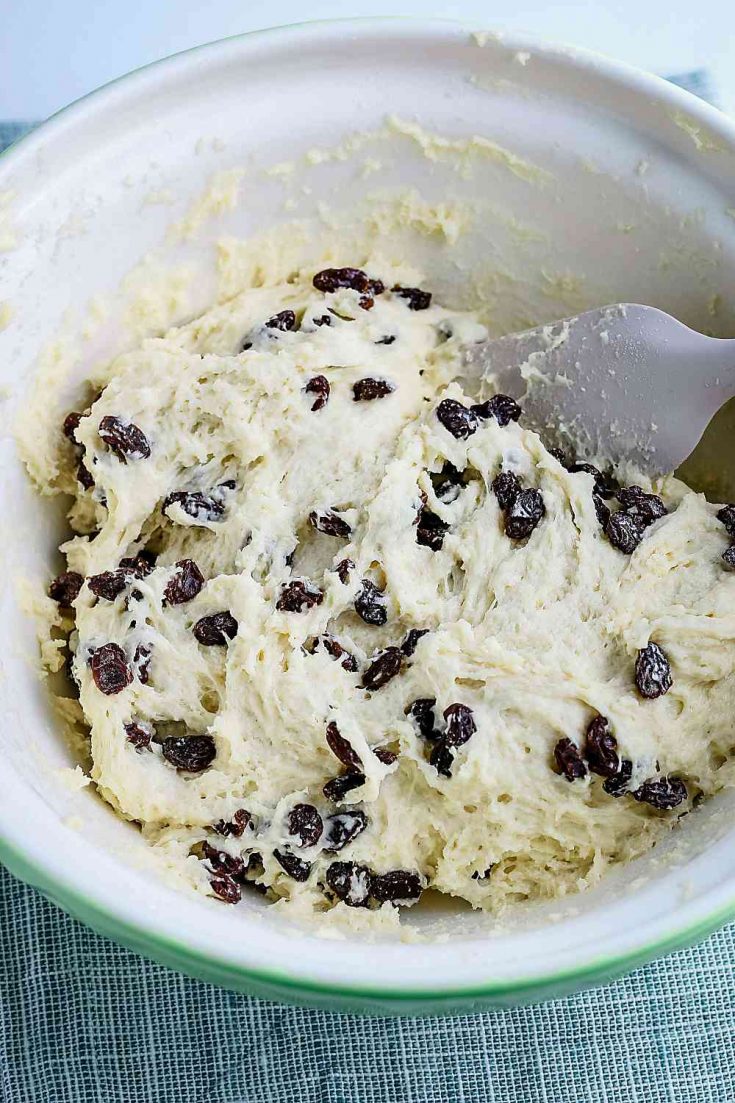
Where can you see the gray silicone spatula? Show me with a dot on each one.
(625, 382)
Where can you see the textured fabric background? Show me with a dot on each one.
(83, 1021)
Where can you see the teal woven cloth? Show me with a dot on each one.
(84, 1021)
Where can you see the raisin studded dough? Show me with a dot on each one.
(534, 636)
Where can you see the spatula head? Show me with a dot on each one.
(626, 383)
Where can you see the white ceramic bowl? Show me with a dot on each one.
(635, 208)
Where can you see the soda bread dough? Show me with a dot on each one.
(536, 636)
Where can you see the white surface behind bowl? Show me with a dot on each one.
(642, 177)
(52, 54)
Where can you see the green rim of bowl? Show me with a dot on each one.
(275, 984)
(282, 985)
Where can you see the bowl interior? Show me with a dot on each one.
(525, 181)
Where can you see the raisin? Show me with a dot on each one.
(419, 504)
(70, 426)
(341, 748)
(343, 569)
(524, 514)
(140, 565)
(431, 530)
(447, 483)
(185, 584)
(318, 385)
(216, 630)
(461, 725)
(727, 516)
(482, 874)
(421, 712)
(416, 299)
(331, 279)
(343, 827)
(560, 455)
(366, 390)
(139, 736)
(226, 889)
(340, 786)
(306, 824)
(602, 511)
(328, 522)
(397, 886)
(108, 584)
(663, 793)
(283, 321)
(728, 557)
(383, 668)
(334, 649)
(604, 485)
(387, 340)
(192, 753)
(110, 669)
(367, 302)
(299, 595)
(236, 826)
(601, 748)
(253, 870)
(337, 651)
(384, 755)
(588, 468)
(441, 758)
(617, 785)
(124, 438)
(370, 604)
(200, 507)
(322, 320)
(636, 503)
(652, 672)
(142, 662)
(410, 643)
(294, 866)
(501, 406)
(624, 531)
(506, 487)
(456, 418)
(84, 477)
(569, 760)
(222, 862)
(351, 883)
(65, 588)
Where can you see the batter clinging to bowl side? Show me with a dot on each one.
(345, 635)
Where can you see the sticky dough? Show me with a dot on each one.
(536, 637)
